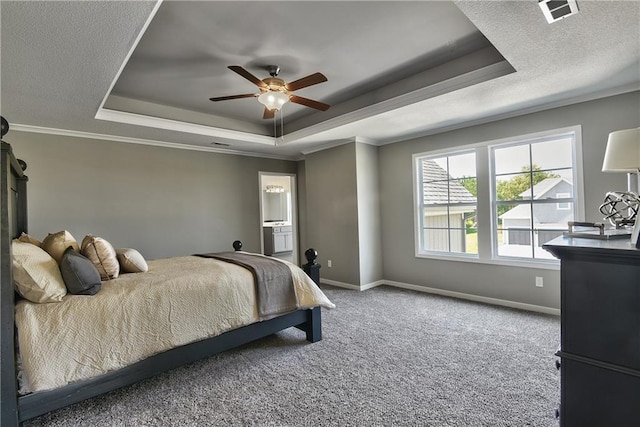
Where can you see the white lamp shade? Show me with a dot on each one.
(273, 100)
(623, 151)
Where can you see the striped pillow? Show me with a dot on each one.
(102, 255)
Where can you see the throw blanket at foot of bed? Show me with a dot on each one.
(274, 283)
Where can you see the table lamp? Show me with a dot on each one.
(623, 155)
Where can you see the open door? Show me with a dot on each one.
(279, 223)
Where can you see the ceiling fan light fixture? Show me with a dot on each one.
(273, 100)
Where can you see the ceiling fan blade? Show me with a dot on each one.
(310, 80)
(247, 75)
(268, 114)
(224, 98)
(309, 103)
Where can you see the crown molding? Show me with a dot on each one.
(179, 126)
(129, 140)
(620, 90)
(331, 144)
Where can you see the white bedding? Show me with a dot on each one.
(178, 301)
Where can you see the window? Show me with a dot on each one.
(498, 201)
(563, 206)
(447, 203)
(532, 183)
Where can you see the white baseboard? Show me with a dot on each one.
(477, 298)
(372, 285)
(461, 295)
(350, 286)
(339, 284)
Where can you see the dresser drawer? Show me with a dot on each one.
(595, 396)
(600, 306)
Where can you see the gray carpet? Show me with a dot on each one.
(389, 357)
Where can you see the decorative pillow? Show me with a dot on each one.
(55, 244)
(102, 255)
(80, 275)
(24, 237)
(131, 261)
(36, 275)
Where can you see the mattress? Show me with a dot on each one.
(178, 301)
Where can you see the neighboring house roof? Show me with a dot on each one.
(543, 187)
(518, 212)
(435, 185)
(524, 212)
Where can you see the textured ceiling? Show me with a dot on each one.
(395, 69)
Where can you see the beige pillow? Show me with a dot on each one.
(36, 275)
(56, 243)
(102, 255)
(131, 261)
(24, 237)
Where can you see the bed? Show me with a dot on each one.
(222, 319)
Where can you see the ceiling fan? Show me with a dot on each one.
(275, 92)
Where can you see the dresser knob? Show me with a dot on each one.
(558, 364)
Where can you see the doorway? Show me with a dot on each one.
(278, 216)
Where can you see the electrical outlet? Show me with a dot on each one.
(539, 282)
(329, 263)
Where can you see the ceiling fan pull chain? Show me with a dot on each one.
(281, 126)
(275, 135)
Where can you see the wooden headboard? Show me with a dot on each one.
(14, 194)
(13, 221)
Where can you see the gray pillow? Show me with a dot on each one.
(79, 274)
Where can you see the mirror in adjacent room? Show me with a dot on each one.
(277, 214)
(277, 204)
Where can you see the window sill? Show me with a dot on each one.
(507, 262)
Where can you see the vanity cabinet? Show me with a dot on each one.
(599, 332)
(277, 239)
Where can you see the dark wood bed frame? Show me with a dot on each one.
(14, 409)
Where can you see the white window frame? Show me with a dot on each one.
(487, 246)
(419, 203)
(563, 206)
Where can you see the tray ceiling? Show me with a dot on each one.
(144, 71)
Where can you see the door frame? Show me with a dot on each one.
(294, 209)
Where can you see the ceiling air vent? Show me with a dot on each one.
(555, 10)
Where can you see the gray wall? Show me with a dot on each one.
(597, 119)
(161, 201)
(168, 202)
(370, 240)
(301, 185)
(343, 212)
(332, 212)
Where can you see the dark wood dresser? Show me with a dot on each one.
(600, 332)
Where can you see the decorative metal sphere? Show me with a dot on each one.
(620, 206)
